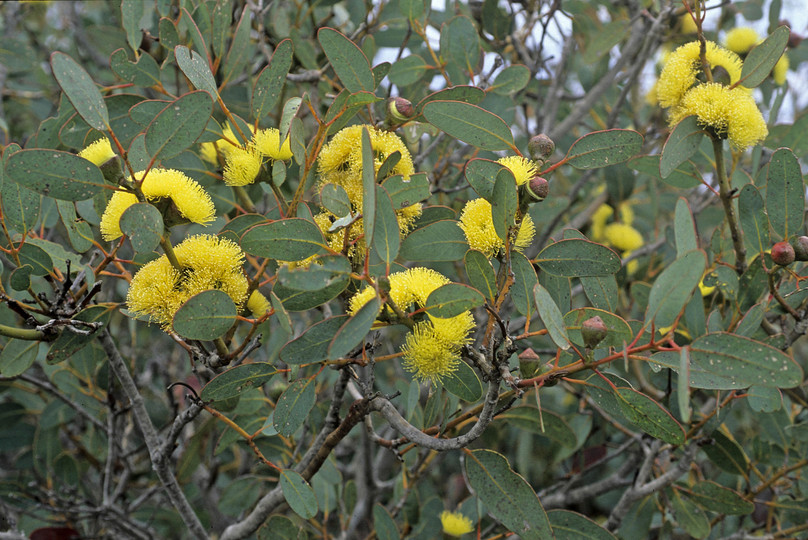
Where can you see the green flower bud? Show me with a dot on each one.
(800, 245)
(783, 254)
(399, 110)
(540, 147)
(593, 331)
(538, 188)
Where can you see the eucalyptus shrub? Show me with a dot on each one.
(345, 269)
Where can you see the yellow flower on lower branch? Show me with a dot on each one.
(455, 523)
(623, 237)
(741, 39)
(98, 152)
(268, 142)
(478, 226)
(241, 166)
(207, 262)
(258, 304)
(190, 200)
(432, 350)
(522, 168)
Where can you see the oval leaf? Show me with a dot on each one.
(235, 380)
(604, 148)
(551, 317)
(682, 143)
(196, 68)
(481, 273)
(349, 62)
(56, 174)
(577, 258)
(298, 494)
(17, 356)
(649, 416)
(673, 288)
(80, 90)
(464, 383)
(178, 125)
(312, 345)
(440, 241)
(293, 406)
(524, 279)
(452, 299)
(269, 83)
(761, 59)
(143, 224)
(471, 124)
(754, 221)
(785, 194)
(205, 316)
(292, 239)
(481, 175)
(544, 422)
(572, 526)
(507, 495)
(717, 498)
(354, 330)
(386, 235)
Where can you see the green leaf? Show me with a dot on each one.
(551, 317)
(682, 143)
(546, 423)
(684, 228)
(196, 68)
(293, 406)
(785, 194)
(604, 148)
(480, 273)
(684, 177)
(504, 202)
(508, 497)
(439, 241)
(466, 94)
(235, 380)
(80, 89)
(761, 59)
(368, 188)
(383, 524)
(764, 399)
(524, 276)
(279, 527)
(578, 258)
(205, 316)
(222, 19)
(460, 48)
(132, 12)
(17, 356)
(327, 271)
(683, 386)
(143, 224)
(291, 239)
(142, 72)
(79, 233)
(312, 345)
(649, 416)
(405, 193)
(408, 70)
(387, 235)
(21, 206)
(717, 498)
(240, 51)
(727, 454)
(39, 260)
(179, 125)
(349, 62)
(269, 83)
(470, 123)
(481, 175)
(601, 291)
(298, 494)
(511, 80)
(464, 383)
(354, 330)
(335, 199)
(56, 174)
(690, 517)
(452, 299)
(673, 288)
(573, 526)
(754, 222)
(68, 343)
(20, 278)
(302, 300)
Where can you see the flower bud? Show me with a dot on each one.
(399, 110)
(783, 254)
(529, 364)
(538, 188)
(540, 147)
(593, 331)
(800, 245)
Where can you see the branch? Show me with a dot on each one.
(159, 460)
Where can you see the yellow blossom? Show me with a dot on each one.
(688, 24)
(208, 262)
(741, 39)
(478, 226)
(684, 65)
(780, 69)
(599, 218)
(208, 152)
(455, 523)
(188, 197)
(258, 304)
(728, 113)
(706, 290)
(98, 152)
(340, 161)
(241, 166)
(623, 237)
(268, 142)
(523, 169)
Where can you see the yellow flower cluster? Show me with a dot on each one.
(619, 235)
(190, 200)
(98, 152)
(727, 111)
(455, 523)
(432, 349)
(243, 162)
(207, 262)
(478, 225)
(741, 39)
(340, 163)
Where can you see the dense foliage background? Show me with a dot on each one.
(634, 369)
